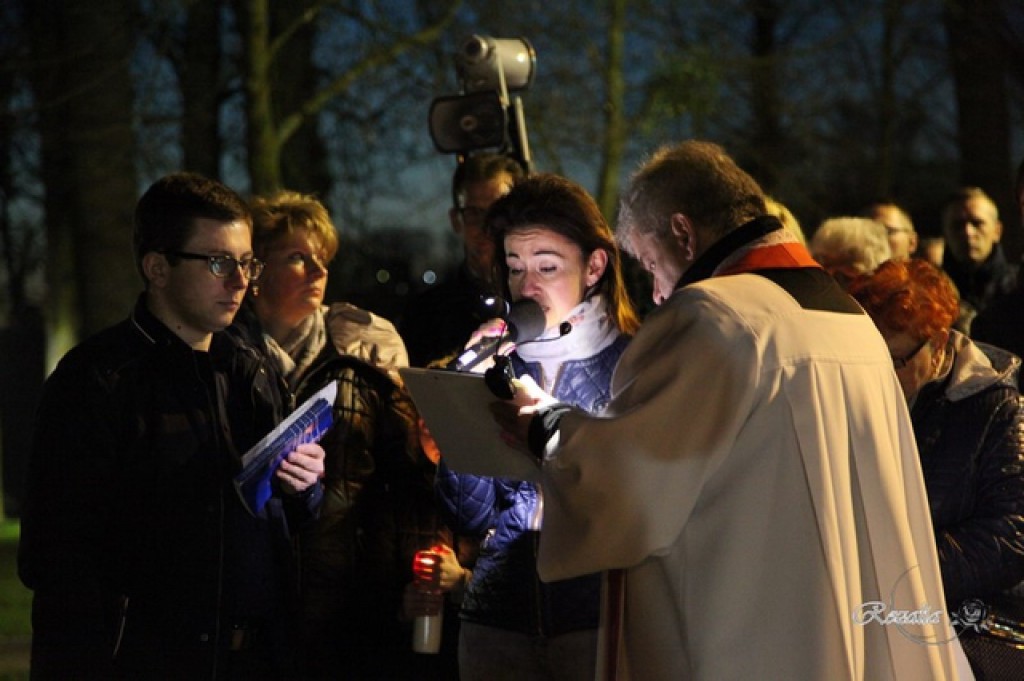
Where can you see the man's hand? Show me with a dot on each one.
(514, 416)
(529, 396)
(302, 468)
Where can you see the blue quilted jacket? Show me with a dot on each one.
(505, 591)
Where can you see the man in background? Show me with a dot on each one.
(898, 227)
(437, 323)
(1002, 322)
(974, 258)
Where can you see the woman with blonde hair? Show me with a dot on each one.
(786, 217)
(378, 508)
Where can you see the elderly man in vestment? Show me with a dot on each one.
(753, 487)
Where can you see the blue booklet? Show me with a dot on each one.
(308, 423)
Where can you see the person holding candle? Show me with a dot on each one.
(378, 509)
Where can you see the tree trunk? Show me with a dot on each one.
(201, 92)
(614, 112)
(303, 156)
(264, 148)
(979, 62)
(81, 51)
(269, 130)
(888, 114)
(767, 144)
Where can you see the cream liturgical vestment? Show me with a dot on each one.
(756, 476)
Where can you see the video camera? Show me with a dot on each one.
(484, 116)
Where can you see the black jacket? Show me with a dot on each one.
(980, 286)
(378, 510)
(141, 556)
(1001, 322)
(970, 435)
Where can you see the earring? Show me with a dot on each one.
(255, 290)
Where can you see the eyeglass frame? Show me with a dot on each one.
(892, 231)
(213, 262)
(900, 362)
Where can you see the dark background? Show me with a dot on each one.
(829, 104)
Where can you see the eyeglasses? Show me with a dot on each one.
(223, 266)
(900, 362)
(471, 215)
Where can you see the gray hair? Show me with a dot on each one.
(851, 244)
(697, 179)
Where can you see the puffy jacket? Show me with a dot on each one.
(134, 539)
(970, 435)
(505, 591)
(378, 511)
(378, 507)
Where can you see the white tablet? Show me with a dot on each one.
(455, 408)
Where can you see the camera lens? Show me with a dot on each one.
(475, 48)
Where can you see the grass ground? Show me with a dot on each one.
(15, 609)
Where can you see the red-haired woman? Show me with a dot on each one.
(967, 418)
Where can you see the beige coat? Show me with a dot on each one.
(756, 475)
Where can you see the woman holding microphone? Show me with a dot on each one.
(556, 249)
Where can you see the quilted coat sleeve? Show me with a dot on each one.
(468, 503)
(982, 553)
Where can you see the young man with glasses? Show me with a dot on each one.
(143, 560)
(438, 322)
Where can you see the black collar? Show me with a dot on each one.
(151, 328)
(157, 333)
(746, 233)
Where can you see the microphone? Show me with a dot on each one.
(525, 321)
(500, 376)
(564, 329)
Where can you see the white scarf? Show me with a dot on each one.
(592, 331)
(296, 354)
